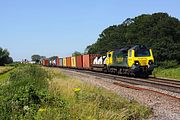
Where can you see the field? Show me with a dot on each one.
(167, 73)
(33, 92)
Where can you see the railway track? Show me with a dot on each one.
(160, 83)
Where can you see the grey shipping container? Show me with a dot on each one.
(61, 62)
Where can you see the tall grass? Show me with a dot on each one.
(86, 101)
(4, 69)
(25, 93)
(32, 92)
(167, 73)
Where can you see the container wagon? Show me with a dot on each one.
(79, 62)
(64, 62)
(68, 62)
(61, 62)
(57, 61)
(88, 60)
(45, 62)
(73, 62)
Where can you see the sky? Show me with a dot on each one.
(60, 27)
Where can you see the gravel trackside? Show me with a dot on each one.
(164, 107)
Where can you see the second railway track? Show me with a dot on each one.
(160, 83)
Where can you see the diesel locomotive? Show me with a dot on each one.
(137, 60)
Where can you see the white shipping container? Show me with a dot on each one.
(102, 60)
(95, 61)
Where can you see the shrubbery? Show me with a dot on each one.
(26, 93)
(168, 64)
(4, 57)
(30, 93)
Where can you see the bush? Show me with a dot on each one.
(14, 64)
(169, 64)
(25, 93)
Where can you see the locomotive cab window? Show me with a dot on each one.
(130, 53)
(142, 52)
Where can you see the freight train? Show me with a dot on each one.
(135, 61)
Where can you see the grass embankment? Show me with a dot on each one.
(4, 73)
(32, 92)
(86, 101)
(24, 93)
(167, 73)
(4, 69)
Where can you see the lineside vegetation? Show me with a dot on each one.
(4, 69)
(173, 73)
(33, 92)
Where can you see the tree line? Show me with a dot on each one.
(158, 31)
(5, 57)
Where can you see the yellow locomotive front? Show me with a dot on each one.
(141, 60)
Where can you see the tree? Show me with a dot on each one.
(87, 49)
(111, 38)
(76, 53)
(53, 57)
(128, 21)
(4, 57)
(9, 60)
(43, 57)
(158, 31)
(36, 58)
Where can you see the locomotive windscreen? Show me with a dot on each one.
(142, 52)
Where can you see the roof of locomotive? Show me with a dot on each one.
(134, 47)
(138, 47)
(121, 49)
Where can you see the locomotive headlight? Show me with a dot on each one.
(150, 62)
(136, 62)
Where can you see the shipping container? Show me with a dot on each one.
(79, 61)
(73, 62)
(60, 62)
(68, 61)
(53, 62)
(50, 62)
(45, 62)
(99, 60)
(64, 62)
(88, 60)
(57, 61)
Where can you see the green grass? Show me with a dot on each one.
(86, 101)
(33, 92)
(6, 75)
(4, 69)
(167, 73)
(24, 93)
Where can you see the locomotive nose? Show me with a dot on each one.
(143, 61)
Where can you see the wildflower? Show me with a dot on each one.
(41, 110)
(26, 107)
(77, 89)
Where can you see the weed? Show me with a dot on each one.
(86, 101)
(25, 93)
(167, 73)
